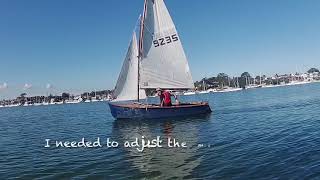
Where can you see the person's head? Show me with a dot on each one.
(159, 91)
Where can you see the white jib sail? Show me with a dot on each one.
(127, 84)
(163, 63)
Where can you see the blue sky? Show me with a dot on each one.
(79, 45)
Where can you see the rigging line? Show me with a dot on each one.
(148, 30)
(145, 26)
(156, 6)
(142, 29)
(141, 45)
(137, 23)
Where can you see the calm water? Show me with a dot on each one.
(253, 134)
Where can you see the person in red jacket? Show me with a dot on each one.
(165, 98)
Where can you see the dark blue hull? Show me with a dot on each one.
(138, 111)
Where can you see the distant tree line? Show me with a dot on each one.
(223, 80)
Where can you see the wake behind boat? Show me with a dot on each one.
(159, 61)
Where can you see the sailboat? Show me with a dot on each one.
(158, 61)
(204, 89)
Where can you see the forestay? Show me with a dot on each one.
(163, 62)
(127, 84)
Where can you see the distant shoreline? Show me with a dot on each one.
(221, 83)
(93, 100)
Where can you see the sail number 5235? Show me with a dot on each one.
(165, 40)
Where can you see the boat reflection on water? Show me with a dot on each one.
(164, 162)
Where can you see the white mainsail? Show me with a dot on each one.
(127, 84)
(163, 61)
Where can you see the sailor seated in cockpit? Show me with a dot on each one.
(165, 98)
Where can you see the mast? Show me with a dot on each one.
(141, 44)
(237, 82)
(260, 79)
(203, 84)
(247, 81)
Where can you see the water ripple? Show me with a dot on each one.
(255, 134)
